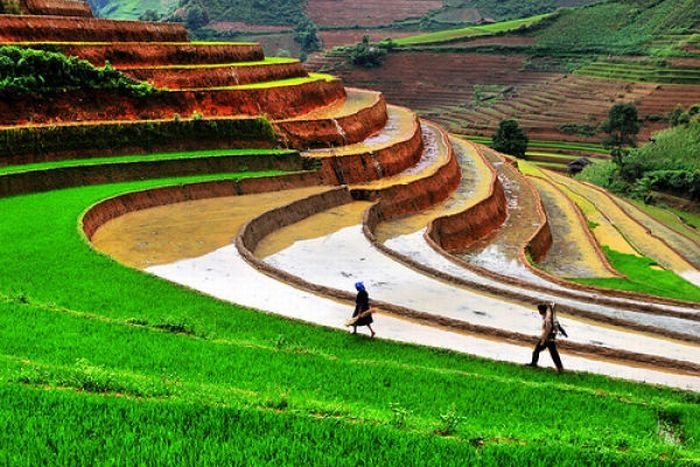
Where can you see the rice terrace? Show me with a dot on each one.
(197, 227)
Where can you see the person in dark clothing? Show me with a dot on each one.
(548, 337)
(362, 305)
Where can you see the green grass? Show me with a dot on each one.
(452, 35)
(98, 361)
(686, 223)
(641, 277)
(267, 61)
(618, 26)
(141, 158)
(632, 71)
(313, 77)
(564, 145)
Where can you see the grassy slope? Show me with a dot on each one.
(471, 31)
(643, 277)
(256, 387)
(621, 26)
(166, 156)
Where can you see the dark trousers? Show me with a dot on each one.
(552, 346)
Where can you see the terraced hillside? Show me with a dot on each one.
(556, 74)
(266, 195)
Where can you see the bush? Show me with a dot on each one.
(366, 55)
(306, 35)
(35, 141)
(510, 139)
(27, 71)
(578, 129)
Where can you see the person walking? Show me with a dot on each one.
(547, 340)
(361, 317)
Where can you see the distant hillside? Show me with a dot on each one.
(421, 14)
(631, 26)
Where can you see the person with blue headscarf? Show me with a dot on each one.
(361, 309)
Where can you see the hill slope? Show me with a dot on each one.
(431, 13)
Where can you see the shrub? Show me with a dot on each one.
(510, 139)
(366, 55)
(35, 141)
(27, 71)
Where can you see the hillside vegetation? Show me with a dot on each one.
(288, 12)
(670, 163)
(28, 71)
(625, 26)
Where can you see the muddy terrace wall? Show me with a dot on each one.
(263, 225)
(541, 242)
(323, 132)
(457, 232)
(112, 208)
(26, 145)
(65, 177)
(57, 28)
(373, 165)
(76, 106)
(144, 54)
(187, 78)
(56, 8)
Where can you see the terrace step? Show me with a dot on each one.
(26, 28)
(574, 251)
(217, 75)
(441, 222)
(56, 8)
(304, 261)
(33, 178)
(431, 180)
(275, 99)
(638, 235)
(150, 54)
(347, 121)
(505, 250)
(395, 148)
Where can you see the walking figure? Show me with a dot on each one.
(362, 316)
(550, 328)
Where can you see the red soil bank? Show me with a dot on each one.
(260, 227)
(322, 132)
(373, 165)
(457, 232)
(541, 242)
(179, 78)
(144, 54)
(401, 200)
(56, 8)
(112, 208)
(276, 102)
(64, 177)
(363, 13)
(55, 28)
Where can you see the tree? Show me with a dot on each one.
(150, 15)
(196, 17)
(367, 55)
(306, 35)
(510, 139)
(622, 127)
